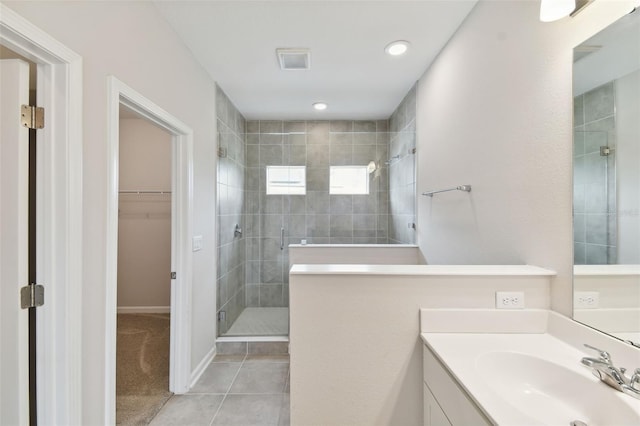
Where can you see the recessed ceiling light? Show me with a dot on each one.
(320, 106)
(397, 47)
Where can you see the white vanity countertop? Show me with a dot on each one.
(458, 353)
(634, 336)
(601, 270)
(439, 270)
(488, 365)
(356, 246)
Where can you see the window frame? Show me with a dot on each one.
(286, 190)
(333, 170)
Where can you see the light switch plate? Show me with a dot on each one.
(197, 243)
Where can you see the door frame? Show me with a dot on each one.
(58, 217)
(181, 229)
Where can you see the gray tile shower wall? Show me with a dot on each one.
(594, 199)
(316, 216)
(253, 268)
(402, 172)
(230, 207)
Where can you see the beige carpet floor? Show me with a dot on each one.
(142, 374)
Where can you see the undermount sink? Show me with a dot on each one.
(551, 394)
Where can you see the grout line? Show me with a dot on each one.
(280, 410)
(203, 393)
(287, 380)
(229, 388)
(246, 393)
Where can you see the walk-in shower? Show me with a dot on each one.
(303, 182)
(595, 194)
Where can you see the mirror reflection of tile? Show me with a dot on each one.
(606, 200)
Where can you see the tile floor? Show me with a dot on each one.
(234, 390)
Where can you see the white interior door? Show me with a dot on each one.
(14, 265)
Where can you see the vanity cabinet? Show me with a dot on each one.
(433, 414)
(445, 402)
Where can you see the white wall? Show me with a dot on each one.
(145, 156)
(618, 286)
(144, 220)
(495, 112)
(131, 41)
(618, 292)
(627, 167)
(367, 254)
(356, 353)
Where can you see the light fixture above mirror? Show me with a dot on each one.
(553, 10)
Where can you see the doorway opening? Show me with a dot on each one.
(144, 269)
(176, 207)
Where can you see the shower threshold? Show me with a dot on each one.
(252, 339)
(257, 331)
(253, 345)
(261, 324)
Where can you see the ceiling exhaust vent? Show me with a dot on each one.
(294, 59)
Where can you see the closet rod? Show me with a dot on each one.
(144, 192)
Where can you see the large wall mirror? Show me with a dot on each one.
(606, 192)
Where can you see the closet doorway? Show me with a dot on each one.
(143, 205)
(144, 269)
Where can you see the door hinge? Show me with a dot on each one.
(32, 117)
(173, 275)
(31, 296)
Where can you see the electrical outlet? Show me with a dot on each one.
(509, 300)
(586, 299)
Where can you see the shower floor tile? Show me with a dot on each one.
(261, 322)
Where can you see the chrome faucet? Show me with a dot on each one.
(603, 368)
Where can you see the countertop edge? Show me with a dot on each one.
(422, 270)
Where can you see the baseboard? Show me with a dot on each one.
(195, 375)
(144, 309)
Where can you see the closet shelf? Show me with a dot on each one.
(143, 192)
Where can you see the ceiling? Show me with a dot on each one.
(612, 53)
(235, 41)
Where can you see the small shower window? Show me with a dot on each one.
(290, 180)
(349, 180)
